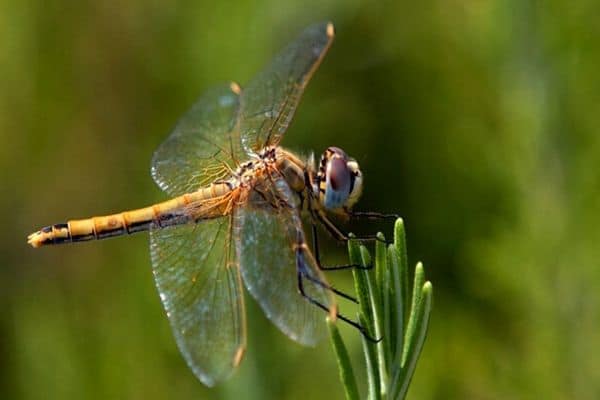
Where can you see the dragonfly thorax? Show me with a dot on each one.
(339, 180)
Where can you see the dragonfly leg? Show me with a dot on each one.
(301, 249)
(322, 306)
(330, 267)
(338, 234)
(329, 287)
(371, 215)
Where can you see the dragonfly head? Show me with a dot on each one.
(340, 179)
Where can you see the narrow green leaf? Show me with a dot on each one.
(397, 306)
(343, 360)
(380, 267)
(360, 279)
(372, 298)
(414, 311)
(385, 309)
(400, 244)
(403, 376)
(369, 315)
(375, 329)
(389, 321)
(373, 382)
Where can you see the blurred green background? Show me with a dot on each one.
(477, 121)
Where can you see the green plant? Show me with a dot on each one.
(385, 313)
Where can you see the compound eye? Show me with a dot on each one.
(339, 181)
(339, 175)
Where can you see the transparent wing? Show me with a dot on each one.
(269, 101)
(268, 239)
(198, 279)
(203, 143)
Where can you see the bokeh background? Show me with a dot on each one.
(477, 121)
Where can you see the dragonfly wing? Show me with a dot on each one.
(198, 279)
(269, 101)
(268, 236)
(204, 142)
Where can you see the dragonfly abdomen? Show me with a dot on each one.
(94, 228)
(206, 203)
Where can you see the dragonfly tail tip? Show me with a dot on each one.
(36, 239)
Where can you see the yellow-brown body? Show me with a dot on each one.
(208, 202)
(213, 201)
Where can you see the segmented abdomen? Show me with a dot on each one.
(206, 203)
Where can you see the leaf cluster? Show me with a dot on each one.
(388, 312)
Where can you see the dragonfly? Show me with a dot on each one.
(235, 216)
